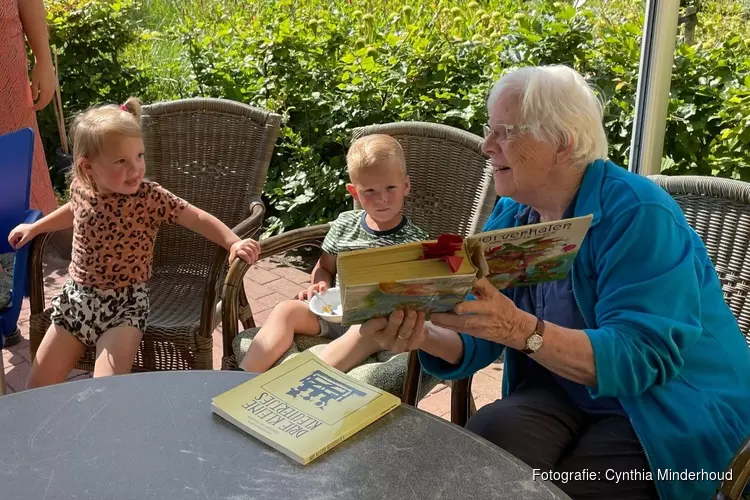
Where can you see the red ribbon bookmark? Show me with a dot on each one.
(445, 248)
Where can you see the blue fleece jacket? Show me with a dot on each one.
(665, 343)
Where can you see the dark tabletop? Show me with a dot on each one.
(153, 436)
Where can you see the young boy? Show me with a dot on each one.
(379, 182)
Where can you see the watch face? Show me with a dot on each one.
(534, 342)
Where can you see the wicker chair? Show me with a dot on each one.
(215, 154)
(719, 211)
(451, 192)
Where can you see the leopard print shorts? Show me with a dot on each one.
(87, 311)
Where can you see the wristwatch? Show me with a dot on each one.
(534, 341)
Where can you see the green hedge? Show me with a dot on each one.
(89, 38)
(330, 65)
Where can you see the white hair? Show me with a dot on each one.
(558, 102)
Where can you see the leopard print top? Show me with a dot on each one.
(114, 234)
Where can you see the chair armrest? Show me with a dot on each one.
(244, 229)
(233, 284)
(731, 489)
(36, 276)
(253, 222)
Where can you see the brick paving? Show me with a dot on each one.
(266, 284)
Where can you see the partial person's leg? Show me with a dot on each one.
(56, 357)
(610, 449)
(277, 334)
(349, 350)
(535, 423)
(16, 111)
(115, 351)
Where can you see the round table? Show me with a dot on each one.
(153, 436)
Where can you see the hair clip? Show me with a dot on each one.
(123, 107)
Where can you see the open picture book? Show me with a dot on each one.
(434, 276)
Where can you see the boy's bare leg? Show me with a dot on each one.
(277, 334)
(349, 350)
(56, 357)
(115, 351)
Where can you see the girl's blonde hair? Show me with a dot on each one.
(91, 128)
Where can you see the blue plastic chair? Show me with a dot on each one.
(16, 155)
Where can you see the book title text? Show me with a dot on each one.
(526, 233)
(281, 415)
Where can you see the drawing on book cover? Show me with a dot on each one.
(434, 295)
(534, 261)
(324, 388)
(319, 392)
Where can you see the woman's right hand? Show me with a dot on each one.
(21, 234)
(400, 332)
(43, 83)
(318, 287)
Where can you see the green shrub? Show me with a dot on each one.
(331, 71)
(328, 66)
(90, 38)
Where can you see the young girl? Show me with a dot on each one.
(115, 214)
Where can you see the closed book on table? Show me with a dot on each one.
(303, 407)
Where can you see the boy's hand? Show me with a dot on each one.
(319, 287)
(247, 250)
(21, 234)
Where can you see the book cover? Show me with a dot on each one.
(436, 275)
(303, 407)
(528, 255)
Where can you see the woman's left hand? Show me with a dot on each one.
(42, 84)
(247, 250)
(401, 331)
(492, 316)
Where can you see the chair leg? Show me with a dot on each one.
(733, 489)
(2, 374)
(14, 338)
(472, 405)
(462, 402)
(411, 382)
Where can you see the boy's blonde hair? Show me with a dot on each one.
(371, 151)
(90, 128)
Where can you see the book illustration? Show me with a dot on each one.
(533, 261)
(322, 386)
(310, 389)
(303, 407)
(381, 299)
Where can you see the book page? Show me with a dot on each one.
(527, 255)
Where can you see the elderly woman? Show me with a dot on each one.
(632, 368)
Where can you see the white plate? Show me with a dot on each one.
(332, 297)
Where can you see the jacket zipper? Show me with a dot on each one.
(635, 430)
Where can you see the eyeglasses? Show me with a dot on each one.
(501, 131)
